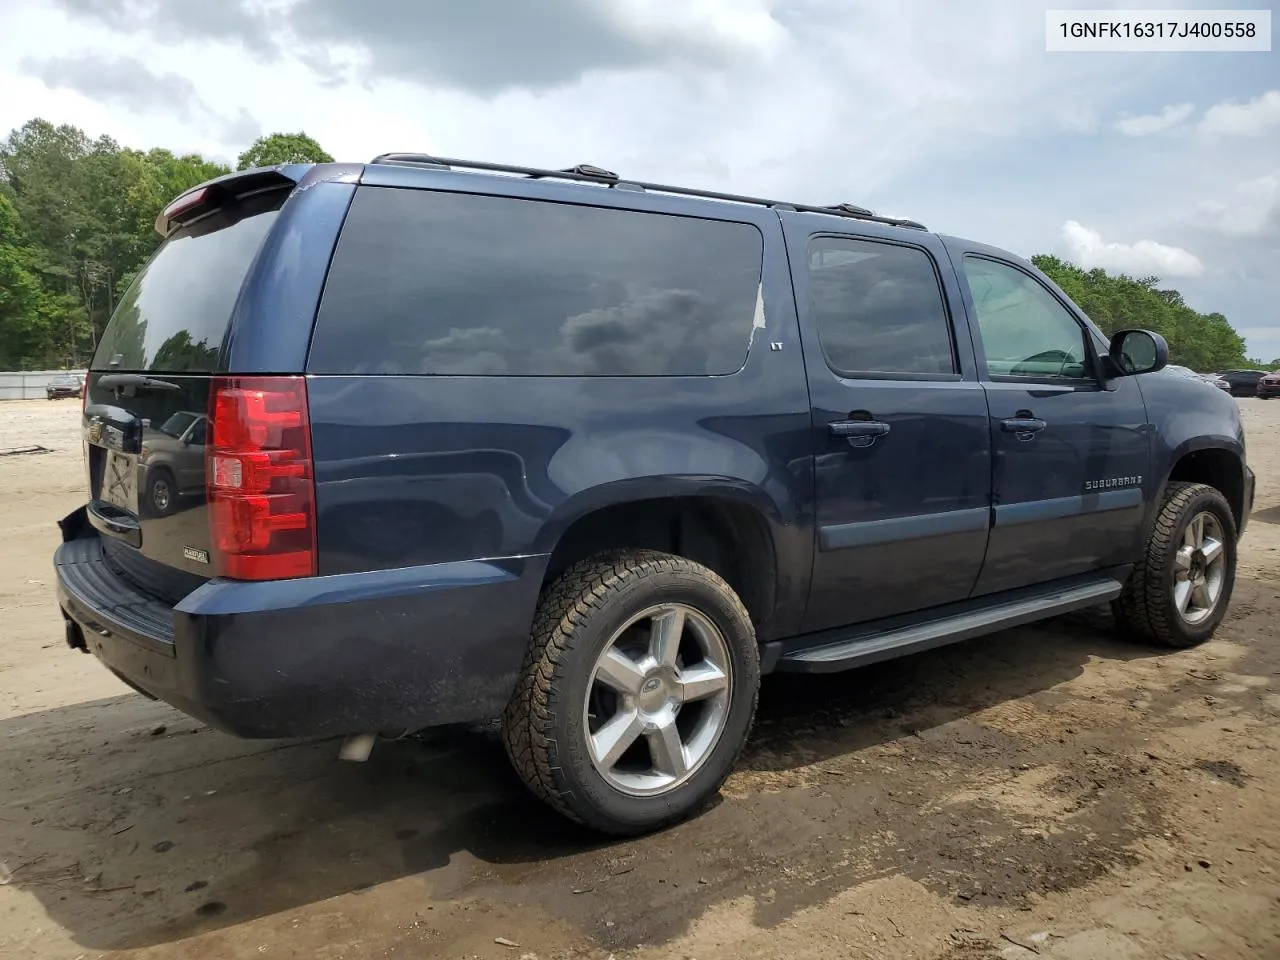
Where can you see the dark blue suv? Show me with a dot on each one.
(593, 455)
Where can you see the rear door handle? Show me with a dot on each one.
(859, 433)
(1024, 427)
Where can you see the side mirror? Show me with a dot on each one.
(1137, 351)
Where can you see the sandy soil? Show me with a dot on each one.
(1047, 792)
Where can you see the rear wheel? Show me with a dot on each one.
(638, 691)
(1180, 588)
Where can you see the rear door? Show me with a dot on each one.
(903, 454)
(148, 393)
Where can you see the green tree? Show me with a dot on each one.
(1202, 341)
(36, 326)
(277, 148)
(86, 210)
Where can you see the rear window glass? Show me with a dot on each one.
(176, 312)
(439, 283)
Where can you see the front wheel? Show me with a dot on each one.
(637, 694)
(1178, 592)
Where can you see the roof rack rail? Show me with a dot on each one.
(587, 173)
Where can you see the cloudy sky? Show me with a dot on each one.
(948, 111)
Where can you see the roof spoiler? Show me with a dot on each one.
(207, 197)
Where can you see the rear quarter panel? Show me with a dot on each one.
(414, 470)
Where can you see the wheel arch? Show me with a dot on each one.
(733, 528)
(1217, 462)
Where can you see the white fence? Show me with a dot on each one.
(29, 384)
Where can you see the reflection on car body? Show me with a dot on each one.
(171, 463)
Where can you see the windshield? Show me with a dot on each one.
(176, 312)
(177, 424)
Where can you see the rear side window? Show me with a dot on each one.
(441, 283)
(176, 312)
(878, 308)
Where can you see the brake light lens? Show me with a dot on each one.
(261, 487)
(185, 203)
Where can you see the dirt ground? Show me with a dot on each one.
(1047, 792)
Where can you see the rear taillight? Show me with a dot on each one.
(259, 474)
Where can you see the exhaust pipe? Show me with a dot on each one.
(357, 747)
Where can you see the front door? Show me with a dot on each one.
(903, 453)
(1071, 451)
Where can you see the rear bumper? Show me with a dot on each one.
(387, 650)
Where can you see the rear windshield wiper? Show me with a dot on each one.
(113, 381)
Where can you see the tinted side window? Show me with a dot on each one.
(878, 308)
(441, 283)
(1025, 331)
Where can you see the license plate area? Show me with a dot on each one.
(120, 481)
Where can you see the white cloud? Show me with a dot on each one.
(1087, 249)
(1144, 126)
(817, 100)
(1242, 119)
(811, 100)
(1075, 117)
(129, 83)
(1252, 210)
(1262, 343)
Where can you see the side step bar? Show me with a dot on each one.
(863, 645)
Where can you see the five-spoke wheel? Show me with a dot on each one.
(658, 699)
(638, 691)
(1199, 568)
(1179, 589)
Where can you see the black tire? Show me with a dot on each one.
(157, 478)
(543, 727)
(1147, 608)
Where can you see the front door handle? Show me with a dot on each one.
(1025, 428)
(859, 433)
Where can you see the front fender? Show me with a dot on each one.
(1189, 417)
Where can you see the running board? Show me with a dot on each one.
(867, 645)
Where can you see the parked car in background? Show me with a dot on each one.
(172, 458)
(1269, 386)
(67, 385)
(1244, 383)
(1218, 381)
